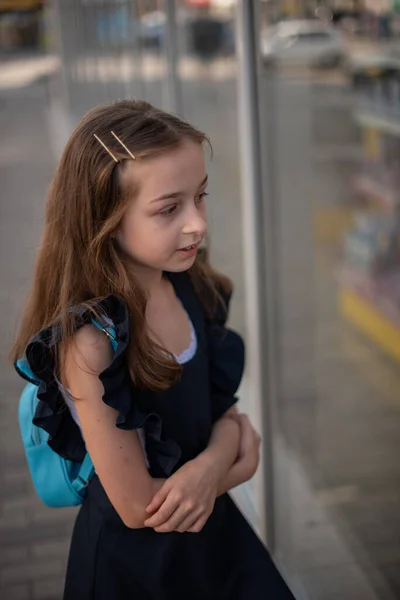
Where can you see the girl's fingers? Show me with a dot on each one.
(187, 523)
(197, 526)
(258, 438)
(244, 419)
(158, 499)
(246, 437)
(246, 428)
(235, 416)
(163, 514)
(174, 521)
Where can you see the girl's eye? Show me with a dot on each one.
(168, 211)
(171, 209)
(201, 196)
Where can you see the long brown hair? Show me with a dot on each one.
(78, 260)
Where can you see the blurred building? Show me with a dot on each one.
(20, 24)
(304, 118)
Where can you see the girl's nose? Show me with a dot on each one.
(195, 223)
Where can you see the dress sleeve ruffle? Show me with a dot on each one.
(38, 366)
(226, 356)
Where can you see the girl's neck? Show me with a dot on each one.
(151, 280)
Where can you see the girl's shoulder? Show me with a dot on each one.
(109, 314)
(40, 365)
(100, 330)
(90, 351)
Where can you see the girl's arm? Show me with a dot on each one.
(117, 455)
(245, 463)
(187, 498)
(223, 448)
(219, 453)
(249, 456)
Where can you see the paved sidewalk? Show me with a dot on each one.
(19, 71)
(33, 538)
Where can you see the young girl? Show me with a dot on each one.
(125, 218)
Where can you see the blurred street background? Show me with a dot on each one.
(327, 141)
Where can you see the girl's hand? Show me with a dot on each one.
(186, 499)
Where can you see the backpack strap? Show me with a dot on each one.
(86, 470)
(85, 474)
(109, 331)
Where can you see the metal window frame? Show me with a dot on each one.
(173, 83)
(259, 251)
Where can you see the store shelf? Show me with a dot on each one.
(382, 122)
(372, 63)
(375, 191)
(368, 306)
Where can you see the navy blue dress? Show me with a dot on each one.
(109, 561)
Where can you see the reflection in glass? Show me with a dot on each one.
(333, 86)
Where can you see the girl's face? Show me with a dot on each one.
(166, 221)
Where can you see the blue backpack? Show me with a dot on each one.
(58, 482)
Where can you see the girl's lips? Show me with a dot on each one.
(189, 251)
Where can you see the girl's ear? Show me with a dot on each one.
(117, 237)
(115, 233)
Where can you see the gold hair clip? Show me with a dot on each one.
(105, 147)
(123, 145)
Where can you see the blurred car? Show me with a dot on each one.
(153, 29)
(309, 43)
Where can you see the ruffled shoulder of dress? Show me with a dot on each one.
(39, 367)
(226, 357)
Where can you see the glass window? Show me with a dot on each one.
(330, 133)
(314, 36)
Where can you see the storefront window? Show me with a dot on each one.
(330, 96)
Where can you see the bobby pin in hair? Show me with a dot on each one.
(105, 147)
(123, 145)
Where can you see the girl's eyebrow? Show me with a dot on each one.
(172, 195)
